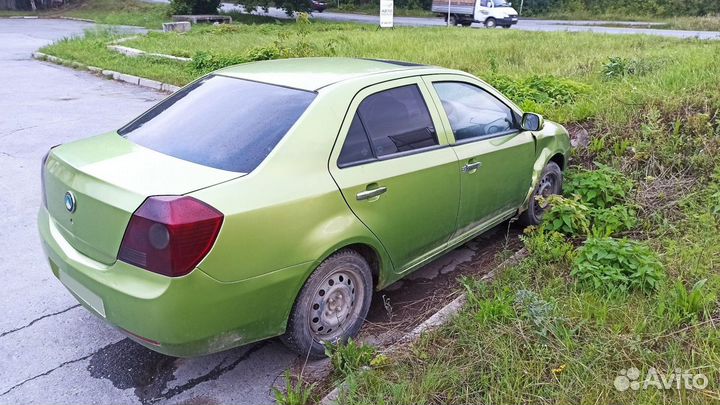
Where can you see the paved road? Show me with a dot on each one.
(598, 26)
(523, 24)
(51, 350)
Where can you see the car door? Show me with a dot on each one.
(495, 155)
(397, 172)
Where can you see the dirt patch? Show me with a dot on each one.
(402, 306)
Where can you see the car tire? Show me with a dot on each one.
(341, 287)
(452, 20)
(550, 183)
(490, 23)
(466, 23)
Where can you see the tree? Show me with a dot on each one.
(290, 6)
(194, 6)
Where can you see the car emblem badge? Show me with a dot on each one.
(70, 203)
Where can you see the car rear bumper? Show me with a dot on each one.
(184, 316)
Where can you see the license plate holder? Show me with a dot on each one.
(83, 293)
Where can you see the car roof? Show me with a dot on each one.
(314, 73)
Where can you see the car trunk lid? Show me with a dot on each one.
(107, 178)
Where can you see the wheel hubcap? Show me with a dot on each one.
(545, 189)
(335, 305)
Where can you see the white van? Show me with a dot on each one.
(491, 13)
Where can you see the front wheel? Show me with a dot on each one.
(490, 23)
(550, 184)
(332, 305)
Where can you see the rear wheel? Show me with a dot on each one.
(550, 183)
(466, 23)
(490, 23)
(452, 20)
(332, 305)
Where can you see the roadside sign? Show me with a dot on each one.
(386, 13)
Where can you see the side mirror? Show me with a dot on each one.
(532, 122)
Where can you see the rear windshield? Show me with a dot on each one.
(221, 122)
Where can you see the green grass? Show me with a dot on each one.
(651, 108)
(115, 12)
(687, 23)
(127, 12)
(677, 70)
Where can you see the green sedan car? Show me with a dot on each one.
(272, 198)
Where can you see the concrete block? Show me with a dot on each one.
(124, 50)
(153, 84)
(94, 69)
(169, 88)
(178, 26)
(122, 77)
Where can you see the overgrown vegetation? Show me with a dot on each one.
(562, 325)
(624, 271)
(655, 8)
(194, 6)
(115, 12)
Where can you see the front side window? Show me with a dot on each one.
(221, 122)
(473, 112)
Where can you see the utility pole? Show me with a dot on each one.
(448, 16)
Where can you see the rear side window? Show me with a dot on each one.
(221, 122)
(357, 147)
(397, 120)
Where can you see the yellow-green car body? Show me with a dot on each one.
(394, 203)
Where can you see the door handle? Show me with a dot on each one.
(471, 167)
(368, 194)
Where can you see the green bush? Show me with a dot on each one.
(610, 221)
(600, 188)
(350, 357)
(678, 304)
(296, 392)
(566, 216)
(286, 45)
(532, 91)
(539, 312)
(617, 265)
(194, 6)
(547, 246)
(490, 305)
(617, 67)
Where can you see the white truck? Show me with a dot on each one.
(491, 13)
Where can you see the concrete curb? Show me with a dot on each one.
(76, 19)
(441, 317)
(35, 17)
(110, 74)
(135, 53)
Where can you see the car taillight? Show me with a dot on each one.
(170, 235)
